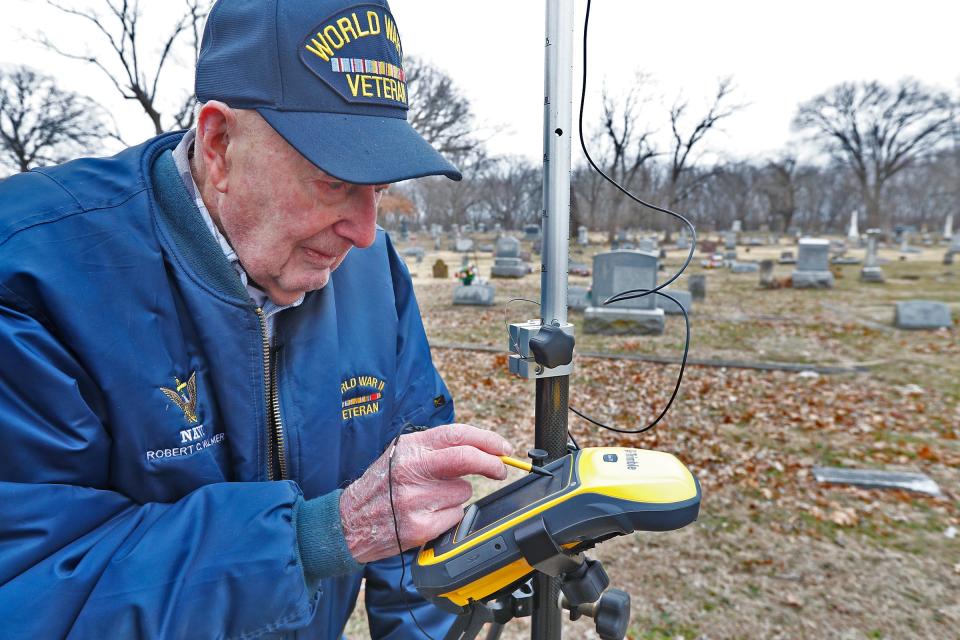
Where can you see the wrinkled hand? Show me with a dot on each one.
(428, 488)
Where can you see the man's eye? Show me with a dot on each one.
(334, 186)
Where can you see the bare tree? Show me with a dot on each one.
(440, 112)
(682, 152)
(877, 131)
(511, 191)
(41, 124)
(779, 184)
(623, 151)
(128, 70)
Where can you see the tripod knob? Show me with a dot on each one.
(612, 615)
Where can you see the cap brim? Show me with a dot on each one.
(358, 148)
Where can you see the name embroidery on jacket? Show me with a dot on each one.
(193, 438)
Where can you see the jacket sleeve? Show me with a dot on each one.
(425, 401)
(80, 559)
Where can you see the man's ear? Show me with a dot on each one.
(215, 124)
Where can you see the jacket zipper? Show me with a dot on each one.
(274, 423)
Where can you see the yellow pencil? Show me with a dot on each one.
(526, 466)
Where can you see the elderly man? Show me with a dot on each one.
(207, 347)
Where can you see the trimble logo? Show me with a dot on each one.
(631, 459)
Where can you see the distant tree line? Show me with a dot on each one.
(891, 153)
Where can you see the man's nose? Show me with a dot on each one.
(359, 226)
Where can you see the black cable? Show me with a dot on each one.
(396, 528)
(630, 294)
(618, 297)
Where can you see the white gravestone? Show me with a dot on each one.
(479, 294)
(922, 314)
(506, 261)
(813, 265)
(583, 238)
(618, 271)
(871, 271)
(853, 233)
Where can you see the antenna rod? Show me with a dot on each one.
(553, 392)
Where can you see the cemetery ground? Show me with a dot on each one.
(773, 554)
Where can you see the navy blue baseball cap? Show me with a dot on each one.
(328, 76)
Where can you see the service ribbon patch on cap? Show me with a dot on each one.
(357, 52)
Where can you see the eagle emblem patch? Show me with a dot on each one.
(184, 396)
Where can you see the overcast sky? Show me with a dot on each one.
(778, 54)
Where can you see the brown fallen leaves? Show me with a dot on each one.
(757, 433)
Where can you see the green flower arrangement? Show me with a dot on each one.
(467, 274)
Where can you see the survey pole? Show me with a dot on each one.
(553, 392)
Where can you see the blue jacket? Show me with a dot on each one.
(136, 495)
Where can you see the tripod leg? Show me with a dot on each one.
(493, 633)
(469, 625)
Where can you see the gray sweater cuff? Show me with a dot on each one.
(323, 549)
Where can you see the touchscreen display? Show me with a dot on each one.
(535, 488)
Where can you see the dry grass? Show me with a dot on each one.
(773, 554)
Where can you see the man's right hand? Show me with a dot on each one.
(428, 489)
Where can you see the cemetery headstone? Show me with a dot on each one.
(838, 249)
(506, 261)
(767, 280)
(953, 250)
(578, 298)
(813, 269)
(878, 479)
(948, 228)
(441, 270)
(617, 271)
(463, 245)
(531, 231)
(415, 252)
(787, 257)
(478, 294)
(697, 285)
(922, 314)
(683, 240)
(436, 244)
(853, 232)
(730, 241)
(648, 244)
(737, 226)
(708, 247)
(670, 307)
(743, 267)
(619, 240)
(905, 243)
(578, 269)
(404, 229)
(871, 271)
(583, 238)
